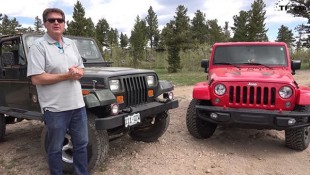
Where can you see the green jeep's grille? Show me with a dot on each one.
(252, 95)
(135, 90)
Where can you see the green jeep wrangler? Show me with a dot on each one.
(118, 100)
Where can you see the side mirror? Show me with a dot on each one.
(295, 65)
(205, 64)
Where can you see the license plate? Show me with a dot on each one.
(132, 120)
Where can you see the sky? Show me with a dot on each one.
(121, 14)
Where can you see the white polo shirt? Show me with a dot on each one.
(46, 57)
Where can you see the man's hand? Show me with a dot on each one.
(76, 73)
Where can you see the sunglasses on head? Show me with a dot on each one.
(52, 20)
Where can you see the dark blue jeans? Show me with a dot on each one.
(75, 121)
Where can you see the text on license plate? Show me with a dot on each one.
(132, 120)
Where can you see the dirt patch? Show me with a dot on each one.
(229, 151)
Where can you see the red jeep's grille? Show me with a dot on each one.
(245, 95)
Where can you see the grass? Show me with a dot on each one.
(304, 65)
(184, 78)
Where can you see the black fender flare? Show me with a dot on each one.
(99, 98)
(164, 86)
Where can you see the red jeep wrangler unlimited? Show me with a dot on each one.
(251, 84)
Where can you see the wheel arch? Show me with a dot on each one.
(99, 98)
(164, 86)
(303, 96)
(201, 91)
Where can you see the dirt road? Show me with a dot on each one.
(230, 151)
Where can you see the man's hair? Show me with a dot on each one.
(50, 10)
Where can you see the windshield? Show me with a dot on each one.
(86, 46)
(259, 55)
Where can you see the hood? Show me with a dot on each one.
(113, 71)
(278, 75)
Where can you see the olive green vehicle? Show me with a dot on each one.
(119, 100)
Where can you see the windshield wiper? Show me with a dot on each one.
(228, 64)
(84, 60)
(258, 64)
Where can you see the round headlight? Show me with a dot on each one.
(285, 92)
(114, 85)
(220, 89)
(150, 80)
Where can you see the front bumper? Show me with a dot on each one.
(145, 110)
(254, 118)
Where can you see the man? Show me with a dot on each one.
(55, 67)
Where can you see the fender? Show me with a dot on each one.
(303, 96)
(164, 86)
(201, 91)
(99, 98)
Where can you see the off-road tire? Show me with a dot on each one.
(97, 148)
(197, 127)
(150, 132)
(298, 139)
(2, 127)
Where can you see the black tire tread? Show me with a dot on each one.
(103, 146)
(198, 128)
(154, 132)
(295, 138)
(2, 126)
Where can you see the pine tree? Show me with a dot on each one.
(152, 28)
(285, 35)
(138, 40)
(102, 30)
(123, 40)
(182, 28)
(9, 26)
(38, 25)
(5, 25)
(256, 25)
(300, 13)
(80, 26)
(199, 27)
(1, 23)
(215, 33)
(177, 35)
(303, 28)
(226, 31)
(156, 42)
(240, 26)
(250, 25)
(112, 38)
(170, 40)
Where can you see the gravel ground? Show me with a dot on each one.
(231, 151)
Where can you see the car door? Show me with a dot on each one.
(14, 84)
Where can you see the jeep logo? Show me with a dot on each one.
(252, 84)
